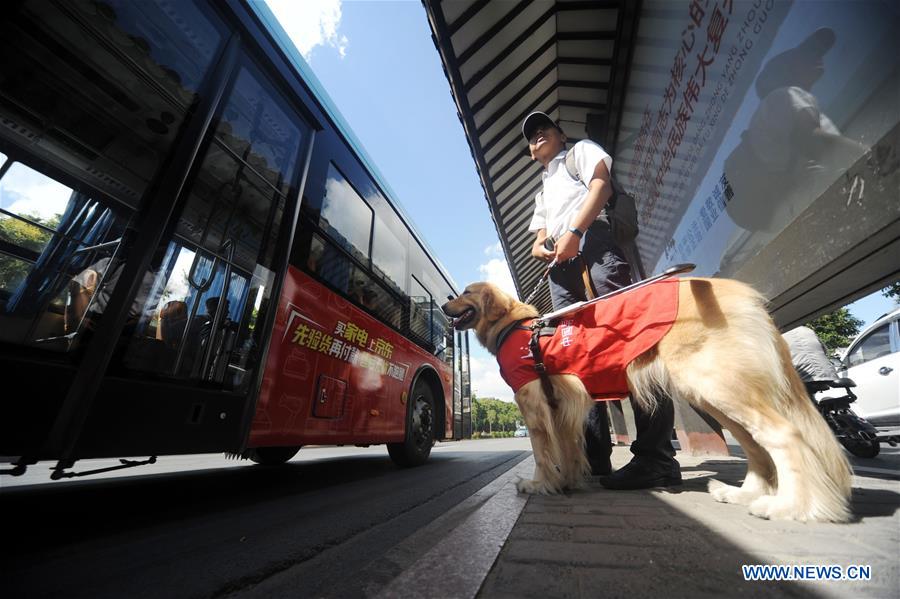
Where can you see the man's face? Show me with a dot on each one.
(546, 142)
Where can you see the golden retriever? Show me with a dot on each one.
(722, 355)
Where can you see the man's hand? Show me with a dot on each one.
(542, 253)
(567, 247)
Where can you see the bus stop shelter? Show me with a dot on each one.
(759, 139)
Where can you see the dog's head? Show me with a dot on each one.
(487, 309)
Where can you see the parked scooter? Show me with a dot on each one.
(817, 372)
(855, 433)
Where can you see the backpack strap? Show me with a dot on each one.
(571, 168)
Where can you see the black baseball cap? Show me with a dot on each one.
(535, 120)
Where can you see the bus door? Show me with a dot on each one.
(466, 384)
(149, 180)
(95, 100)
(192, 355)
(455, 349)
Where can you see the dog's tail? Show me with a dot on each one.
(826, 465)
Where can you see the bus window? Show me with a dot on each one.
(420, 312)
(212, 280)
(27, 223)
(100, 89)
(389, 249)
(56, 245)
(441, 333)
(346, 217)
(95, 93)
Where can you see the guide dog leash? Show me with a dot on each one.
(540, 282)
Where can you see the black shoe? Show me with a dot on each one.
(636, 475)
(600, 467)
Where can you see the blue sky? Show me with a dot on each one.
(380, 67)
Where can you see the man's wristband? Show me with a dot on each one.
(576, 232)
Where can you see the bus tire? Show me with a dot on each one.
(416, 448)
(272, 456)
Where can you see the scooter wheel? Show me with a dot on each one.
(862, 449)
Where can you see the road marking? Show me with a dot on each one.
(464, 558)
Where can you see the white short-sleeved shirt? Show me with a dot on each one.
(562, 196)
(773, 124)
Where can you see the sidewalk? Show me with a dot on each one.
(598, 543)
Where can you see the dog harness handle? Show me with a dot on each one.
(535, 345)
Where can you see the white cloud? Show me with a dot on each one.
(486, 379)
(494, 250)
(496, 271)
(28, 192)
(311, 23)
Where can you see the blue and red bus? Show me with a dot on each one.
(196, 254)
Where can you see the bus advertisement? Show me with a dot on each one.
(197, 255)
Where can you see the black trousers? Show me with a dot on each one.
(610, 271)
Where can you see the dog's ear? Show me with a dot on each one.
(495, 304)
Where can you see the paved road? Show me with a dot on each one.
(342, 522)
(318, 525)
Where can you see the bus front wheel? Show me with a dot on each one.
(272, 456)
(416, 448)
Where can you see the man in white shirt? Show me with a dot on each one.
(571, 212)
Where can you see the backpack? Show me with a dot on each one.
(621, 209)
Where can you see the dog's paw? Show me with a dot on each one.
(729, 494)
(578, 482)
(762, 506)
(532, 487)
(774, 507)
(720, 491)
(525, 486)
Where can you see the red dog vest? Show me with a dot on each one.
(596, 343)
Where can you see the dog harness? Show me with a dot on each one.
(595, 344)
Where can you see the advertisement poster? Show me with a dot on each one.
(745, 117)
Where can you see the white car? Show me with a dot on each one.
(872, 361)
(521, 432)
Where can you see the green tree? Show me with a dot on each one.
(26, 236)
(491, 419)
(892, 291)
(490, 414)
(513, 416)
(506, 420)
(477, 414)
(836, 329)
